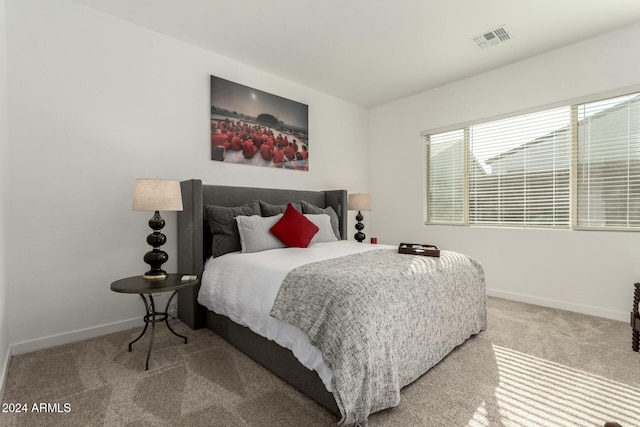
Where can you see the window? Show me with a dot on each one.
(608, 166)
(518, 171)
(446, 177)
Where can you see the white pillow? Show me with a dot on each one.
(325, 231)
(255, 235)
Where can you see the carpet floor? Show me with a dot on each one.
(533, 366)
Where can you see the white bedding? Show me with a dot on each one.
(243, 287)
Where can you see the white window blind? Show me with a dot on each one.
(519, 170)
(608, 164)
(445, 177)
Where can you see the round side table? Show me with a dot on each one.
(145, 288)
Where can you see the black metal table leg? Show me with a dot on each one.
(146, 306)
(166, 317)
(152, 316)
(153, 330)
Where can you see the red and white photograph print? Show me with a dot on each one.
(252, 127)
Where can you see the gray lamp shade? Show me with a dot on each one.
(359, 202)
(157, 195)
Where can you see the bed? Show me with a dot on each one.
(457, 312)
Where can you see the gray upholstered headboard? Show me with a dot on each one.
(194, 237)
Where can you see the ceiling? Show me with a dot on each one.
(371, 52)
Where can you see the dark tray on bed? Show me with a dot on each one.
(418, 249)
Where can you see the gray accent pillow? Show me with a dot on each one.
(268, 209)
(308, 208)
(325, 231)
(224, 227)
(255, 233)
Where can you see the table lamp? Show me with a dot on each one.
(359, 202)
(156, 195)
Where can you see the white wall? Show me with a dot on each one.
(94, 103)
(589, 272)
(4, 163)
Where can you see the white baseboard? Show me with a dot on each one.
(562, 305)
(73, 336)
(4, 370)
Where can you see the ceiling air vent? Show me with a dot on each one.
(492, 38)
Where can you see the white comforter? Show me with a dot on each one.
(243, 287)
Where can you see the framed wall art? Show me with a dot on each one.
(252, 127)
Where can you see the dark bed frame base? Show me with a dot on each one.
(194, 247)
(278, 360)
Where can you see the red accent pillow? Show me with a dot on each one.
(294, 229)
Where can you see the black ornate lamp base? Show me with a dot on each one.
(156, 257)
(359, 236)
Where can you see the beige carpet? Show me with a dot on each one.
(534, 366)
